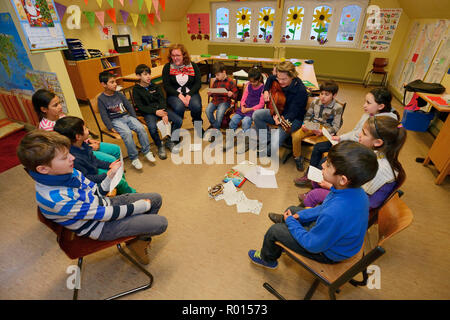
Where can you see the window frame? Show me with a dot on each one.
(233, 8)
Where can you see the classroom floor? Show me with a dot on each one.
(203, 253)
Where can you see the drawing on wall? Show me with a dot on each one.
(380, 39)
(14, 62)
(105, 32)
(49, 81)
(198, 24)
(440, 63)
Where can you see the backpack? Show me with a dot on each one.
(420, 86)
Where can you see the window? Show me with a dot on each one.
(294, 22)
(243, 19)
(223, 23)
(265, 25)
(320, 24)
(349, 23)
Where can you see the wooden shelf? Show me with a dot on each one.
(107, 69)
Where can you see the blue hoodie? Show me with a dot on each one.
(341, 223)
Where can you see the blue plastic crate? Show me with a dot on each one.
(416, 120)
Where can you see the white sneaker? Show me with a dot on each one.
(150, 157)
(137, 164)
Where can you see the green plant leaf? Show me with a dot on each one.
(291, 30)
(262, 29)
(245, 30)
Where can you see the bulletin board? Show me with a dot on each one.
(49, 81)
(198, 23)
(40, 24)
(380, 38)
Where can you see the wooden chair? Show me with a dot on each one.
(76, 247)
(393, 217)
(378, 68)
(230, 111)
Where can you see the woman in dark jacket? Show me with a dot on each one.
(182, 82)
(294, 109)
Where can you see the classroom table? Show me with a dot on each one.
(439, 152)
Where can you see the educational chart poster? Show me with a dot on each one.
(49, 81)
(40, 24)
(380, 38)
(14, 62)
(198, 23)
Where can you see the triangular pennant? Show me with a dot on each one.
(134, 17)
(101, 17)
(121, 2)
(158, 17)
(143, 18)
(125, 15)
(140, 2)
(163, 4)
(111, 3)
(86, 1)
(112, 14)
(61, 9)
(131, 1)
(90, 16)
(155, 4)
(99, 2)
(149, 5)
(151, 17)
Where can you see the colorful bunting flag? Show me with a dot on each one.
(149, 5)
(134, 17)
(125, 15)
(158, 17)
(143, 18)
(121, 2)
(112, 14)
(151, 17)
(61, 9)
(101, 17)
(90, 16)
(155, 4)
(163, 4)
(86, 1)
(111, 3)
(140, 2)
(99, 2)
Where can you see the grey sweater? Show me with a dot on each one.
(113, 107)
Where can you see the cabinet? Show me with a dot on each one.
(83, 74)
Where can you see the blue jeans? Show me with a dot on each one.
(152, 119)
(195, 105)
(123, 126)
(144, 225)
(221, 108)
(246, 122)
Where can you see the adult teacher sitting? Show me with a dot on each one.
(294, 109)
(182, 82)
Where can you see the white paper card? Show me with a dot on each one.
(327, 134)
(118, 176)
(217, 90)
(244, 167)
(262, 178)
(315, 174)
(163, 128)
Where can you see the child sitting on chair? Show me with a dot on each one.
(324, 111)
(85, 161)
(340, 221)
(65, 196)
(220, 101)
(119, 117)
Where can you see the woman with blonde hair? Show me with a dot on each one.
(182, 82)
(294, 108)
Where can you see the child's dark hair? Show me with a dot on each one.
(255, 74)
(41, 98)
(104, 76)
(355, 161)
(394, 136)
(69, 126)
(218, 67)
(329, 86)
(39, 147)
(384, 96)
(141, 68)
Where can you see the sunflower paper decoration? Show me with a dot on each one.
(321, 17)
(243, 17)
(295, 16)
(265, 18)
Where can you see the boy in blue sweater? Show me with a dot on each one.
(340, 223)
(85, 160)
(65, 196)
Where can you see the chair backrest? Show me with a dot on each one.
(393, 217)
(380, 62)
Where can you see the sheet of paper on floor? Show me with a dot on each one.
(262, 178)
(238, 198)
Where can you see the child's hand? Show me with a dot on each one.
(114, 167)
(165, 119)
(336, 138)
(304, 128)
(113, 130)
(325, 184)
(287, 214)
(187, 99)
(318, 133)
(114, 163)
(94, 144)
(230, 93)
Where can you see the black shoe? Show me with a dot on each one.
(299, 163)
(276, 217)
(243, 148)
(162, 152)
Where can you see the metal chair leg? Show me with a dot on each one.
(312, 290)
(269, 288)
(75, 290)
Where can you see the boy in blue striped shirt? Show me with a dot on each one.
(65, 196)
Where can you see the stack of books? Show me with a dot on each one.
(75, 50)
